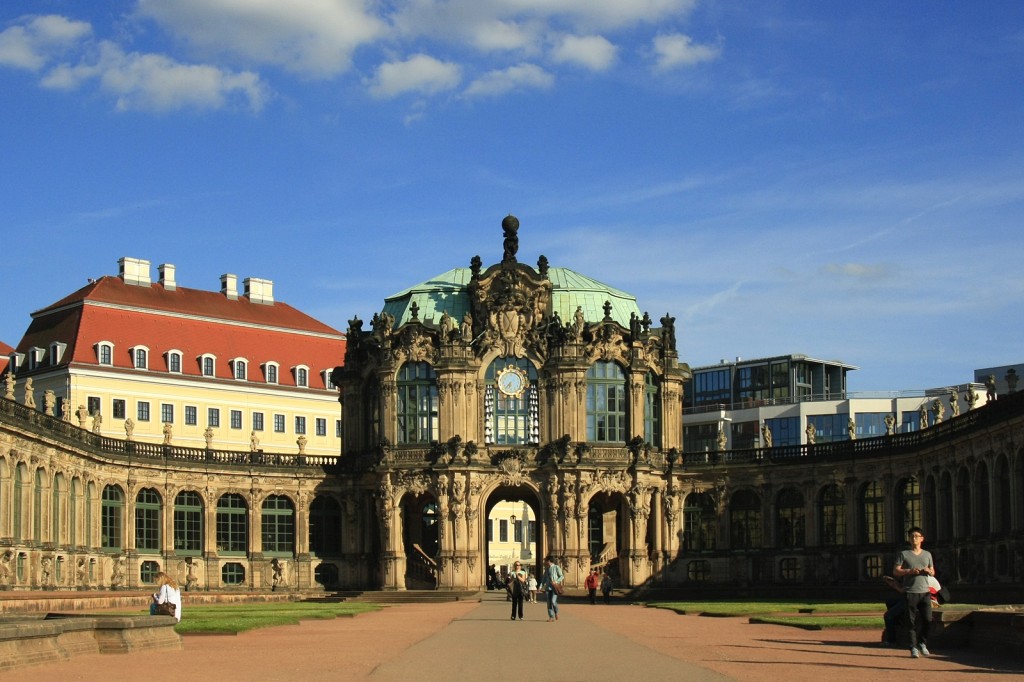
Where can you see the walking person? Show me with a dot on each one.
(531, 583)
(591, 584)
(914, 566)
(551, 583)
(606, 588)
(518, 589)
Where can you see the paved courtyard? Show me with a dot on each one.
(477, 641)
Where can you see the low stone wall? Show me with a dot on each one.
(13, 603)
(28, 640)
(996, 629)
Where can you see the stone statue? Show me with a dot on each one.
(191, 579)
(9, 385)
(890, 424)
(1011, 380)
(990, 388)
(954, 403)
(445, 325)
(922, 413)
(722, 441)
(301, 442)
(30, 399)
(208, 435)
(277, 577)
(6, 574)
(939, 409)
(169, 433)
(766, 436)
(82, 573)
(254, 442)
(49, 400)
(466, 330)
(510, 226)
(851, 429)
(129, 428)
(45, 572)
(578, 323)
(810, 433)
(65, 410)
(634, 326)
(82, 414)
(116, 572)
(972, 397)
(97, 422)
(668, 332)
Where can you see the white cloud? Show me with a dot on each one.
(517, 77)
(420, 73)
(675, 50)
(312, 37)
(593, 52)
(40, 40)
(154, 82)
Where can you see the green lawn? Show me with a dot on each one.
(235, 618)
(824, 622)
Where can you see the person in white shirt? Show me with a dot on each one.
(168, 592)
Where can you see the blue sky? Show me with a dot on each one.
(837, 179)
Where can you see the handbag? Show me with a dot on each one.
(557, 587)
(166, 609)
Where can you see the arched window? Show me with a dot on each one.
(832, 515)
(90, 495)
(111, 517)
(908, 502)
(872, 513)
(789, 518)
(59, 504)
(278, 525)
(652, 410)
(700, 523)
(76, 496)
(417, 403)
(964, 528)
(606, 403)
(188, 523)
(232, 524)
(147, 520)
(325, 526)
(929, 512)
(37, 506)
(745, 520)
(511, 415)
(17, 517)
(1003, 504)
(982, 500)
(945, 505)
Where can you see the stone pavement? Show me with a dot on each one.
(475, 641)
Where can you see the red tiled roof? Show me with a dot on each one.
(188, 320)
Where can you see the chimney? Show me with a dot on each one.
(134, 271)
(229, 286)
(167, 276)
(259, 290)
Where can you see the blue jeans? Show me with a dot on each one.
(552, 603)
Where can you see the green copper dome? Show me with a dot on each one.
(569, 289)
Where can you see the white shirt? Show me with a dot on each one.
(169, 594)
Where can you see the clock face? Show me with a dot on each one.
(512, 381)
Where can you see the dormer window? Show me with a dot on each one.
(270, 372)
(105, 353)
(301, 375)
(35, 357)
(15, 360)
(238, 367)
(328, 384)
(140, 357)
(173, 361)
(57, 349)
(208, 365)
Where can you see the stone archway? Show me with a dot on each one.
(517, 546)
(421, 524)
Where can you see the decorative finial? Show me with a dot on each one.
(510, 226)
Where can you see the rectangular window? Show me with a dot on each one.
(174, 363)
(337, 428)
(321, 427)
(166, 413)
(278, 423)
(257, 421)
(517, 531)
(213, 417)
(191, 415)
(119, 408)
(532, 530)
(236, 419)
(143, 411)
(502, 530)
(300, 425)
(93, 403)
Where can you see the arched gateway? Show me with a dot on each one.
(534, 384)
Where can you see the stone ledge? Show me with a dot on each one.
(31, 640)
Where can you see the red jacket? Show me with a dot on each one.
(592, 581)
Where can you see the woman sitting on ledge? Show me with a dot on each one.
(167, 598)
